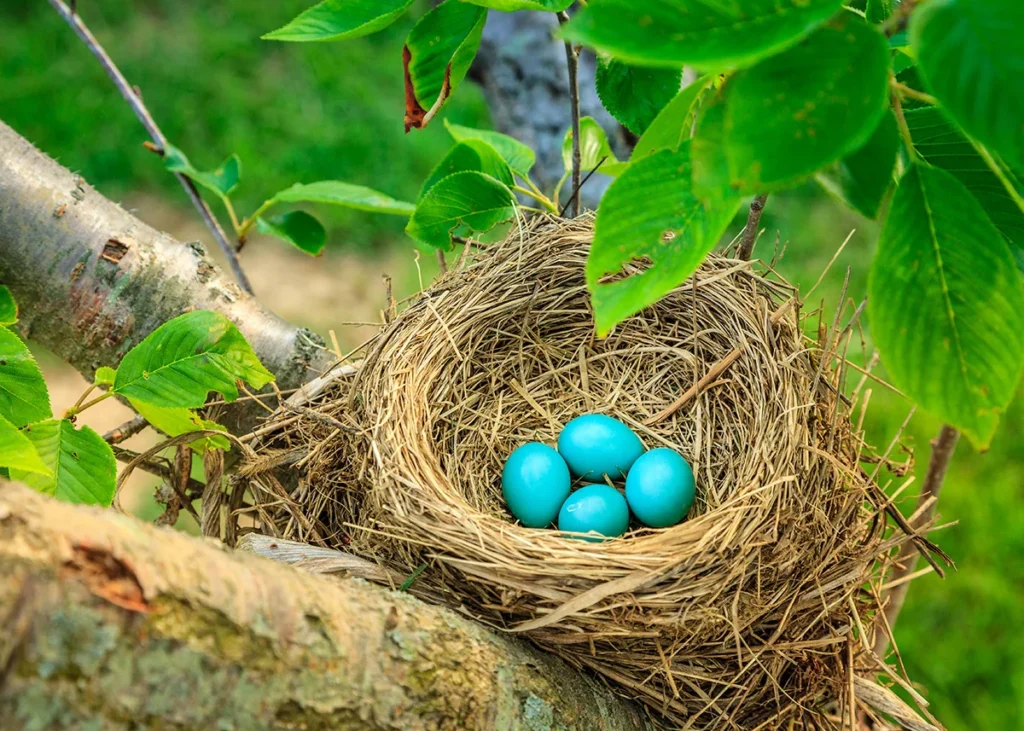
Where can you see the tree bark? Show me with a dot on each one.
(92, 280)
(110, 623)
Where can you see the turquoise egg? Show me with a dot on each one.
(535, 483)
(595, 508)
(594, 445)
(660, 488)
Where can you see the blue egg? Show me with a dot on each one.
(595, 508)
(660, 488)
(594, 445)
(535, 483)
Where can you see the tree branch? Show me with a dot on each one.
(122, 625)
(943, 447)
(572, 56)
(92, 280)
(746, 250)
(134, 100)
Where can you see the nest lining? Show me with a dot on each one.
(750, 613)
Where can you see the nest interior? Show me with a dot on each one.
(754, 612)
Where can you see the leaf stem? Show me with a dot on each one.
(901, 121)
(996, 168)
(231, 214)
(134, 99)
(537, 196)
(79, 407)
(912, 93)
(247, 224)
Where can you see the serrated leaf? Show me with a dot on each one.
(509, 6)
(635, 94)
(945, 298)
(82, 467)
(469, 155)
(805, 108)
(518, 156)
(347, 195)
(939, 142)
(672, 33)
(175, 421)
(673, 123)
(104, 376)
(651, 212)
(183, 360)
(594, 146)
(878, 11)
(862, 178)
(971, 58)
(468, 198)
(17, 451)
(23, 394)
(8, 307)
(297, 228)
(221, 181)
(437, 55)
(333, 20)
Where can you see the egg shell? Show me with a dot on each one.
(535, 482)
(595, 508)
(660, 488)
(595, 444)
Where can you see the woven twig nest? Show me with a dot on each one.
(753, 611)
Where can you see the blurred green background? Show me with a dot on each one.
(321, 111)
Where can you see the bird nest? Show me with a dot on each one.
(755, 612)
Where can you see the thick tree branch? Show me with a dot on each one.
(746, 250)
(92, 280)
(116, 624)
(943, 447)
(134, 100)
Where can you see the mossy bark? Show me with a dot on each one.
(112, 624)
(92, 280)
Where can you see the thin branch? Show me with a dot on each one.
(572, 57)
(943, 447)
(746, 249)
(127, 430)
(576, 192)
(156, 469)
(135, 102)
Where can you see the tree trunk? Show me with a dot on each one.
(92, 280)
(109, 623)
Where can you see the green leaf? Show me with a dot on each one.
(718, 34)
(296, 227)
(468, 198)
(878, 11)
(17, 451)
(469, 155)
(82, 467)
(8, 307)
(945, 299)
(943, 145)
(651, 199)
(509, 6)
(634, 94)
(437, 55)
(104, 376)
(333, 20)
(337, 193)
(796, 112)
(175, 421)
(186, 358)
(23, 394)
(221, 181)
(971, 58)
(862, 178)
(593, 146)
(518, 156)
(673, 123)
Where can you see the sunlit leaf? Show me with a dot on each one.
(104, 376)
(23, 394)
(221, 181)
(944, 299)
(518, 156)
(183, 360)
(333, 20)
(297, 228)
(594, 146)
(471, 154)
(347, 195)
(469, 199)
(81, 466)
(508, 6)
(17, 451)
(8, 308)
(175, 421)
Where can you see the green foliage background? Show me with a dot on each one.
(313, 111)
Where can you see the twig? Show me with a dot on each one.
(158, 470)
(943, 447)
(746, 249)
(127, 430)
(572, 57)
(134, 100)
(561, 214)
(441, 263)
